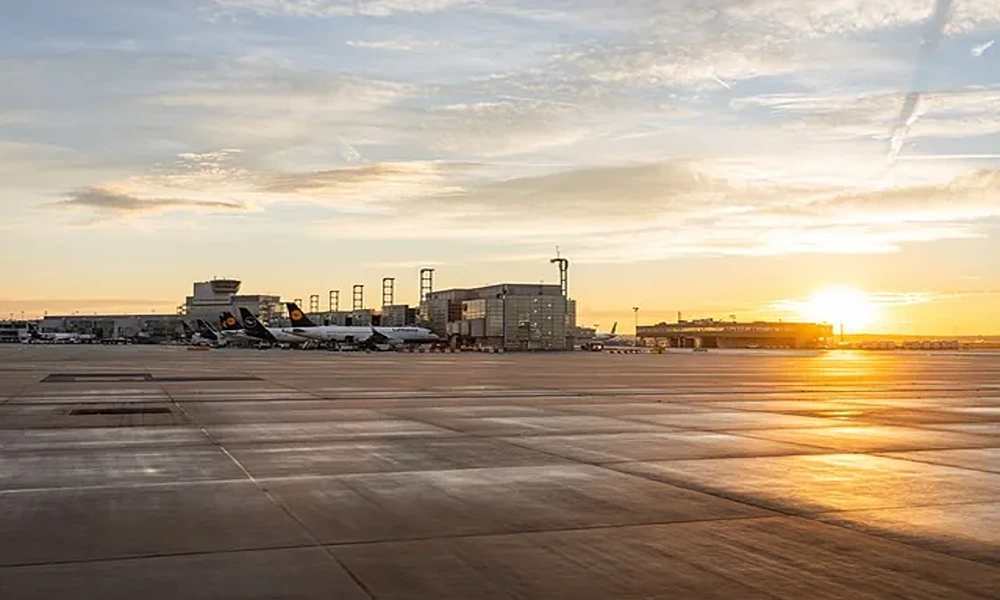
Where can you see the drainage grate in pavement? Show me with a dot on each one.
(121, 410)
(139, 378)
(195, 378)
(97, 377)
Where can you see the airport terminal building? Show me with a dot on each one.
(152, 328)
(513, 316)
(710, 333)
(208, 300)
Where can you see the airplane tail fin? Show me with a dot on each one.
(229, 322)
(206, 331)
(299, 318)
(614, 328)
(254, 327)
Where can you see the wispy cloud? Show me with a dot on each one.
(628, 129)
(955, 113)
(402, 45)
(373, 188)
(885, 299)
(659, 209)
(106, 200)
(407, 264)
(333, 8)
(80, 304)
(800, 306)
(675, 209)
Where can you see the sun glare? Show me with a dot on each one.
(841, 306)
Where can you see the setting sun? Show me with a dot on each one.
(838, 306)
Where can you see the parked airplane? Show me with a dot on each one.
(604, 338)
(57, 338)
(189, 334)
(368, 334)
(231, 330)
(205, 332)
(600, 340)
(275, 335)
(228, 322)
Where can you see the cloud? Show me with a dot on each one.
(337, 8)
(79, 304)
(686, 42)
(287, 117)
(502, 127)
(888, 299)
(695, 43)
(9, 117)
(604, 125)
(805, 17)
(407, 264)
(106, 200)
(968, 197)
(661, 210)
(960, 294)
(880, 299)
(394, 45)
(195, 181)
(374, 188)
(958, 113)
(670, 42)
(265, 90)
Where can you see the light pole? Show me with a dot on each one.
(635, 313)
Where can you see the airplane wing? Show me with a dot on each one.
(377, 338)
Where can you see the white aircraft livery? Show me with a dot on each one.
(392, 336)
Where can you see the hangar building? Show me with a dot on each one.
(710, 333)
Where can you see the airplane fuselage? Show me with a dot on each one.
(347, 334)
(286, 336)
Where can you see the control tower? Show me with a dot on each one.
(223, 287)
(209, 295)
(210, 298)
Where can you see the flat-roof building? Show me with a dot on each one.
(15, 331)
(710, 333)
(150, 327)
(207, 302)
(513, 316)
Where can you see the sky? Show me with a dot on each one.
(708, 157)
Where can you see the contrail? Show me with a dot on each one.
(721, 82)
(908, 115)
(348, 152)
(981, 49)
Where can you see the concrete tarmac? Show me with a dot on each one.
(156, 472)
